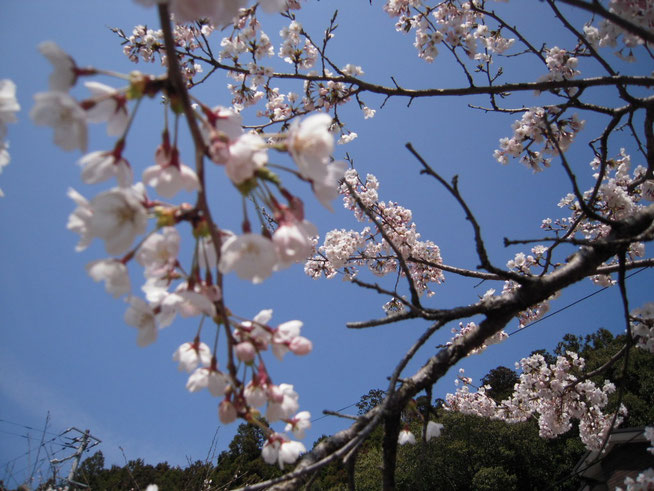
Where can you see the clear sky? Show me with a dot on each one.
(64, 348)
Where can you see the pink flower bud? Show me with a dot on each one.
(245, 351)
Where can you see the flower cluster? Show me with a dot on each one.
(464, 330)
(561, 64)
(554, 393)
(539, 125)
(120, 216)
(457, 26)
(636, 12)
(373, 247)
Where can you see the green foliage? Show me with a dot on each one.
(501, 380)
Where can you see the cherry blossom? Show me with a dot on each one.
(554, 393)
(117, 218)
(65, 70)
(113, 273)
(79, 220)
(64, 115)
(8, 105)
(227, 412)
(311, 144)
(190, 355)
(405, 437)
(247, 154)
(643, 326)
(273, 6)
(223, 127)
(278, 449)
(158, 252)
(287, 338)
(100, 166)
(252, 256)
(107, 105)
(255, 395)
(299, 424)
(282, 402)
(8, 108)
(293, 241)
(208, 378)
(219, 13)
(433, 430)
(169, 176)
(141, 316)
(185, 302)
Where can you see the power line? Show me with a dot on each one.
(572, 304)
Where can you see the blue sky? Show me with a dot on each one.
(64, 348)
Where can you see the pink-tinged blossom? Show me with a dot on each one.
(64, 115)
(118, 218)
(247, 154)
(554, 394)
(252, 256)
(279, 450)
(282, 402)
(255, 395)
(311, 144)
(141, 316)
(326, 189)
(256, 331)
(158, 253)
(100, 166)
(293, 242)
(644, 481)
(186, 303)
(433, 430)
(227, 412)
(65, 70)
(190, 355)
(405, 437)
(208, 378)
(223, 127)
(287, 338)
(169, 175)
(245, 351)
(107, 105)
(113, 272)
(299, 424)
(79, 221)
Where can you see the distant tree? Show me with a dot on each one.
(241, 464)
(501, 380)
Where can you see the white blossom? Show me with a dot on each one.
(113, 273)
(64, 115)
(117, 218)
(141, 316)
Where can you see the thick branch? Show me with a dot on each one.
(499, 311)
